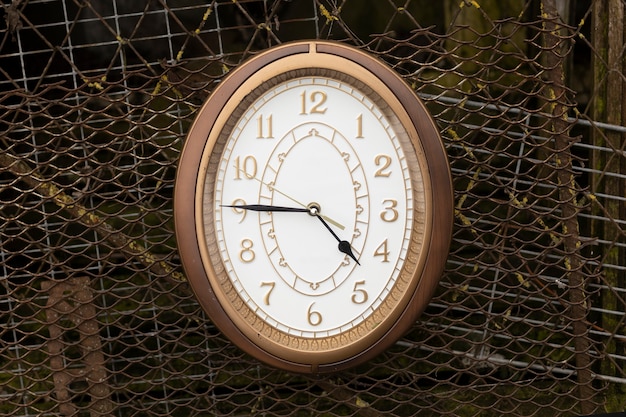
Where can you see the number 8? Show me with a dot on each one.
(246, 254)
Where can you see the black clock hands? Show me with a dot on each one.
(313, 209)
(263, 207)
(344, 245)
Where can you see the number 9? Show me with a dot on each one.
(240, 211)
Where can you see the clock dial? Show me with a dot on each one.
(320, 143)
(315, 164)
(312, 209)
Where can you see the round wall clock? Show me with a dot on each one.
(313, 207)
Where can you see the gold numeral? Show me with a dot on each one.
(360, 295)
(317, 99)
(383, 251)
(247, 166)
(313, 317)
(359, 126)
(246, 254)
(264, 127)
(239, 211)
(389, 214)
(266, 299)
(385, 161)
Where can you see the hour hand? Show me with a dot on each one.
(344, 245)
(264, 207)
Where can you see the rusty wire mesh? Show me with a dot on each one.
(95, 100)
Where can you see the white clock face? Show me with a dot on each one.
(323, 145)
(313, 206)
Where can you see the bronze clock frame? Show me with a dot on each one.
(205, 272)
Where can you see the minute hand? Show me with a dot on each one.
(263, 207)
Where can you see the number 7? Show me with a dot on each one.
(266, 299)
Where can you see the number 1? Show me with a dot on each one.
(359, 126)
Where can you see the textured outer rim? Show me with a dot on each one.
(191, 170)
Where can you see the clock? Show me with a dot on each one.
(313, 207)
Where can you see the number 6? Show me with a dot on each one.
(313, 317)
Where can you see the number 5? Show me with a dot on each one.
(360, 295)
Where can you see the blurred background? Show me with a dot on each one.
(96, 317)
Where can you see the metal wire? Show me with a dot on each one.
(95, 100)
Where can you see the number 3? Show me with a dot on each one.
(390, 214)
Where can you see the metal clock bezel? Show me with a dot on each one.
(203, 266)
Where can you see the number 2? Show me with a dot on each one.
(385, 161)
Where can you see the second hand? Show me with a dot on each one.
(272, 188)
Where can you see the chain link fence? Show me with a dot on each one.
(96, 97)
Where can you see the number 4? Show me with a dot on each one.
(383, 251)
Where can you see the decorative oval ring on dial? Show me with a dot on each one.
(336, 167)
(313, 207)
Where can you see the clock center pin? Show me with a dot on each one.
(314, 208)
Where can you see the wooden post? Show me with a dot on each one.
(558, 108)
(609, 106)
